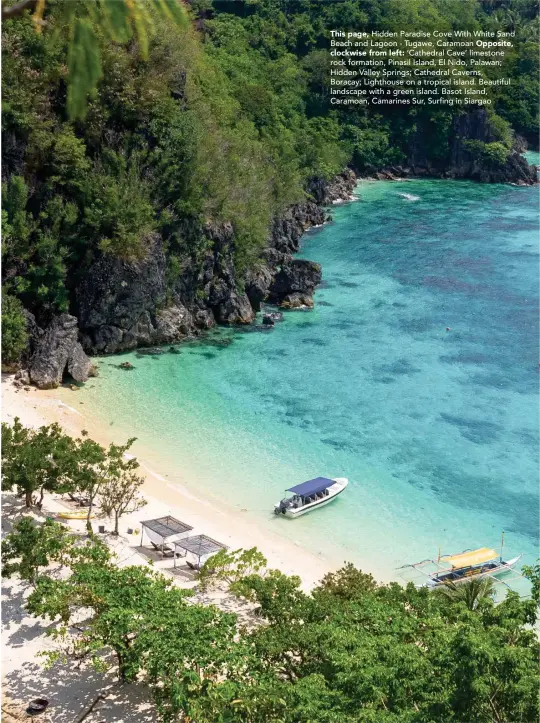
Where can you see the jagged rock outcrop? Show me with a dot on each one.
(337, 190)
(116, 300)
(294, 284)
(257, 284)
(79, 366)
(124, 304)
(287, 229)
(56, 351)
(466, 161)
(218, 278)
(173, 321)
(34, 335)
(235, 309)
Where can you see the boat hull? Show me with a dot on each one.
(340, 483)
(438, 580)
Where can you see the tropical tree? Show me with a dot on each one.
(36, 460)
(471, 592)
(86, 473)
(230, 567)
(87, 22)
(350, 651)
(119, 484)
(49, 460)
(14, 333)
(144, 619)
(357, 651)
(31, 547)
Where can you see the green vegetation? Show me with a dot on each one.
(14, 334)
(230, 567)
(350, 651)
(38, 460)
(117, 21)
(31, 548)
(119, 484)
(128, 121)
(47, 460)
(493, 154)
(166, 145)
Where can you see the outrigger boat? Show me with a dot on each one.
(310, 495)
(463, 566)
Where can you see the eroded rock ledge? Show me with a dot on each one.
(122, 305)
(56, 351)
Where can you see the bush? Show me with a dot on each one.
(496, 154)
(14, 333)
(501, 129)
(493, 154)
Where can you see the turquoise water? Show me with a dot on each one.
(415, 376)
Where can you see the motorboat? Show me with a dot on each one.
(310, 495)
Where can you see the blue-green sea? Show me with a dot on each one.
(415, 376)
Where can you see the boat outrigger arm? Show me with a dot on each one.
(462, 566)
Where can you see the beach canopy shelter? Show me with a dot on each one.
(471, 558)
(163, 531)
(198, 547)
(312, 487)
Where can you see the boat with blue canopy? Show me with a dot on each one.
(310, 495)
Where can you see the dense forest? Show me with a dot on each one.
(186, 154)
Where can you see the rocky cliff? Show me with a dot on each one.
(120, 305)
(469, 140)
(54, 352)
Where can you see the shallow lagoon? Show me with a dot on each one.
(416, 377)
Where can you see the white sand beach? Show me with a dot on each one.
(72, 692)
(35, 408)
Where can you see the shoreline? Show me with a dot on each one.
(41, 407)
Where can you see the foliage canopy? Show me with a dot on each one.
(349, 651)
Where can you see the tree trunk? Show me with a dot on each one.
(28, 498)
(116, 518)
(88, 523)
(40, 501)
(121, 668)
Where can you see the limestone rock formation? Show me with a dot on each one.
(295, 283)
(338, 189)
(462, 161)
(116, 300)
(122, 304)
(58, 349)
(79, 365)
(173, 323)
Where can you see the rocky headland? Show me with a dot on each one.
(121, 305)
(469, 140)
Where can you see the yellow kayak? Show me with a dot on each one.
(74, 515)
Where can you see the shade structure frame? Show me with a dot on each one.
(198, 545)
(163, 531)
